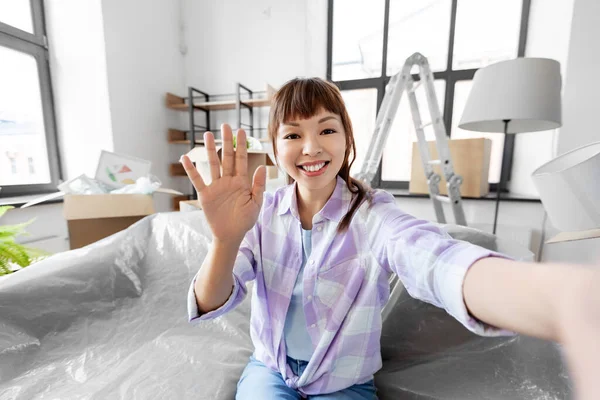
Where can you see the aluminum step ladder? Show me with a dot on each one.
(404, 82)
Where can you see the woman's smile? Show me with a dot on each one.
(314, 168)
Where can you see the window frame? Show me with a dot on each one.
(36, 45)
(450, 76)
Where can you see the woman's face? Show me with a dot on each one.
(312, 150)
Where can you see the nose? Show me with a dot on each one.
(312, 146)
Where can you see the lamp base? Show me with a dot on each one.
(503, 177)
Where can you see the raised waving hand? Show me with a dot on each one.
(230, 204)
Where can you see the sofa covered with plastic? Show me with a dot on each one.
(109, 321)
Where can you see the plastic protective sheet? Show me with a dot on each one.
(109, 321)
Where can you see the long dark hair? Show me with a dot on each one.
(304, 97)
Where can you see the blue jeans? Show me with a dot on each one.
(260, 382)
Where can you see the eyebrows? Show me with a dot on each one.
(320, 121)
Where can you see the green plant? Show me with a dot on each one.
(235, 143)
(12, 253)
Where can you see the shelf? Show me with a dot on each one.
(179, 142)
(177, 136)
(230, 104)
(201, 142)
(217, 141)
(176, 169)
(175, 102)
(198, 103)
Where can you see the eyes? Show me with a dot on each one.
(296, 136)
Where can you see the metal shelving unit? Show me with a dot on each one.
(198, 101)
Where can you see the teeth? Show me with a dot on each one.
(313, 168)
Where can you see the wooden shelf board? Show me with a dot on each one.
(217, 141)
(176, 169)
(179, 142)
(182, 107)
(178, 103)
(257, 102)
(230, 104)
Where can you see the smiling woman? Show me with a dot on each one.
(310, 126)
(321, 259)
(306, 147)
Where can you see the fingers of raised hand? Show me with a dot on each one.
(259, 182)
(213, 158)
(228, 153)
(241, 154)
(192, 173)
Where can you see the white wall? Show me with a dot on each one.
(255, 43)
(112, 63)
(143, 63)
(580, 101)
(580, 112)
(316, 38)
(547, 37)
(78, 70)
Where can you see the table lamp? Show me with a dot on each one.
(570, 192)
(514, 96)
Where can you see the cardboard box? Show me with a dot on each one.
(91, 217)
(470, 159)
(94, 217)
(256, 158)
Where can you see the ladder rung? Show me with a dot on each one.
(444, 199)
(434, 162)
(425, 125)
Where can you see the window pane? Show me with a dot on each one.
(17, 13)
(357, 39)
(23, 154)
(461, 93)
(362, 108)
(422, 26)
(486, 32)
(397, 156)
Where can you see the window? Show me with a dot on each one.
(368, 42)
(29, 159)
(362, 108)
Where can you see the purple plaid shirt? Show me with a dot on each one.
(346, 282)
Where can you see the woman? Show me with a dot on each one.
(321, 251)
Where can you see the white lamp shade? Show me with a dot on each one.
(570, 190)
(525, 91)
